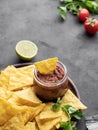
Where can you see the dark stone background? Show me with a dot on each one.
(39, 21)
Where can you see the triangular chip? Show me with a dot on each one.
(31, 112)
(47, 66)
(70, 99)
(31, 126)
(10, 69)
(48, 115)
(64, 118)
(14, 99)
(5, 93)
(4, 80)
(28, 97)
(7, 110)
(19, 78)
(15, 123)
(47, 125)
(28, 68)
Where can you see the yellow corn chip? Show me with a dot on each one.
(31, 112)
(48, 115)
(4, 80)
(5, 76)
(5, 93)
(28, 97)
(70, 99)
(50, 120)
(28, 68)
(20, 78)
(7, 110)
(48, 106)
(15, 123)
(46, 66)
(31, 126)
(16, 78)
(10, 69)
(14, 99)
(64, 118)
(47, 125)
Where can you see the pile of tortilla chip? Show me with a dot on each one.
(21, 109)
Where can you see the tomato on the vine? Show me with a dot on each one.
(91, 25)
(83, 14)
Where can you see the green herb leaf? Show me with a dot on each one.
(92, 6)
(73, 6)
(66, 1)
(57, 105)
(72, 111)
(69, 109)
(73, 124)
(78, 114)
(66, 125)
(69, 125)
(63, 12)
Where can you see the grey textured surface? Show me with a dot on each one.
(39, 21)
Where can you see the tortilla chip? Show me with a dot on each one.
(5, 76)
(31, 126)
(28, 97)
(10, 69)
(48, 115)
(47, 125)
(19, 78)
(5, 93)
(15, 123)
(70, 99)
(64, 118)
(31, 112)
(4, 80)
(28, 68)
(48, 106)
(50, 120)
(7, 110)
(14, 99)
(46, 66)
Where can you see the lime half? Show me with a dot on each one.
(26, 50)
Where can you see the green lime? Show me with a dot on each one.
(26, 50)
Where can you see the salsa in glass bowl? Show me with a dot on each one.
(53, 85)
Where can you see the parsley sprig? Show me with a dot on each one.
(74, 6)
(71, 111)
(69, 125)
(57, 105)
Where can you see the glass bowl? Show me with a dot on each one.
(51, 90)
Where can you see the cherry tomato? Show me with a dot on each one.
(83, 14)
(91, 25)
